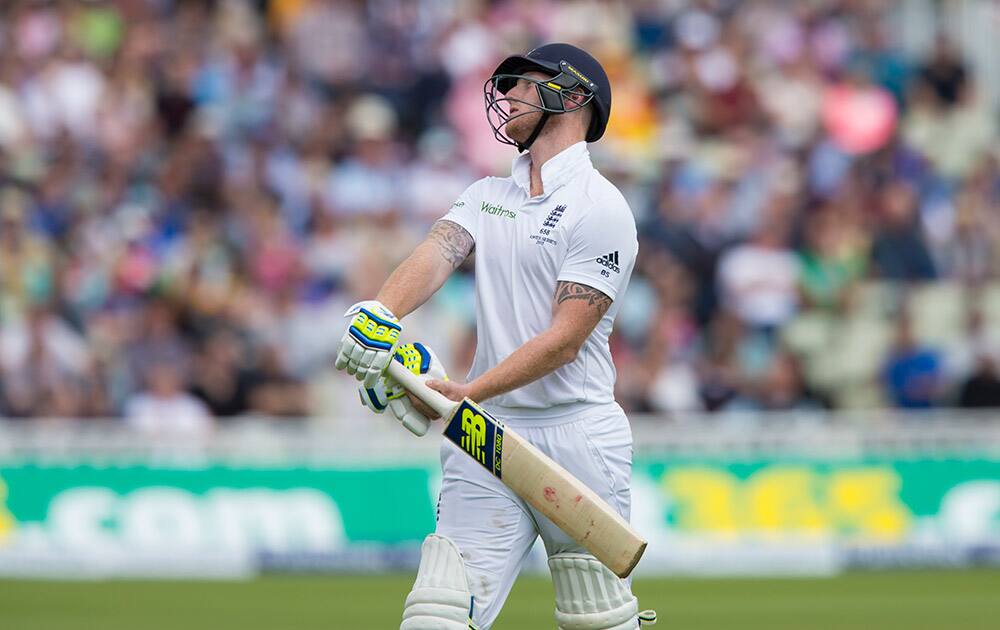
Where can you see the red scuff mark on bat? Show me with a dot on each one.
(550, 494)
(576, 501)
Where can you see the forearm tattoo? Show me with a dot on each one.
(454, 242)
(575, 291)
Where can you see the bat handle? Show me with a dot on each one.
(416, 386)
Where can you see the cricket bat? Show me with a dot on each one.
(533, 476)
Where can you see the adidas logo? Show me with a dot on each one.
(610, 261)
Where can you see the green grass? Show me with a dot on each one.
(905, 600)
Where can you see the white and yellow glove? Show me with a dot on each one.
(388, 394)
(370, 341)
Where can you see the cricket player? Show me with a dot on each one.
(555, 244)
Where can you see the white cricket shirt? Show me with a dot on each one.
(580, 229)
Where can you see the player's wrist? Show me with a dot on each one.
(476, 391)
(389, 305)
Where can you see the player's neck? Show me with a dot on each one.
(544, 149)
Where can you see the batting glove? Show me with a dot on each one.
(389, 394)
(369, 342)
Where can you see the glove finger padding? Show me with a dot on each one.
(408, 416)
(377, 366)
(360, 358)
(386, 393)
(343, 353)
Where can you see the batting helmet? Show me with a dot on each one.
(571, 70)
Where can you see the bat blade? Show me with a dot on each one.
(533, 476)
(546, 486)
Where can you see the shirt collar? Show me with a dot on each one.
(558, 170)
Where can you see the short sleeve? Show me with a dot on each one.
(463, 211)
(601, 253)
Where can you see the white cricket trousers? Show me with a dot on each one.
(495, 529)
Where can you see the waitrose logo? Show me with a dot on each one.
(497, 209)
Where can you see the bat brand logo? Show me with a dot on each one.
(498, 452)
(474, 434)
(610, 261)
(479, 434)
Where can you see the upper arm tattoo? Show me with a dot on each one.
(453, 241)
(576, 291)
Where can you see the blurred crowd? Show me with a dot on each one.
(192, 193)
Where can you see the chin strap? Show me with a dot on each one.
(524, 146)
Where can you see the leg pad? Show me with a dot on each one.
(589, 596)
(441, 598)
